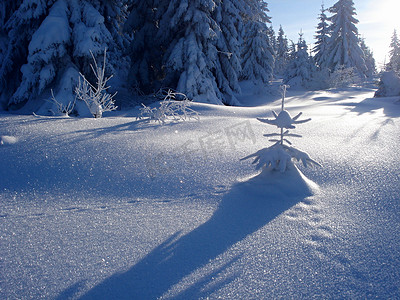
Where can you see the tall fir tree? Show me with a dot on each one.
(282, 53)
(7, 9)
(272, 38)
(292, 50)
(146, 49)
(322, 40)
(344, 47)
(369, 58)
(394, 54)
(21, 19)
(228, 67)
(258, 55)
(191, 56)
(300, 69)
(115, 13)
(59, 46)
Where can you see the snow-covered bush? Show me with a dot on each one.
(95, 96)
(174, 107)
(279, 156)
(389, 85)
(321, 79)
(344, 77)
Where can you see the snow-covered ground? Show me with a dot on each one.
(117, 208)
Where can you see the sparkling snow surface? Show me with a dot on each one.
(115, 208)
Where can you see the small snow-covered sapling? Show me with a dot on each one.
(279, 156)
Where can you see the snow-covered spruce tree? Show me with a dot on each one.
(19, 20)
(344, 47)
(257, 53)
(394, 54)
(322, 40)
(115, 13)
(292, 50)
(369, 58)
(228, 66)
(7, 8)
(272, 38)
(389, 83)
(61, 47)
(300, 69)
(148, 45)
(282, 53)
(190, 59)
(279, 156)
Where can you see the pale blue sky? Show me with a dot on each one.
(377, 19)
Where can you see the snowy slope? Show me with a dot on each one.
(117, 208)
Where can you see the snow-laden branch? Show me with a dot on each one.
(170, 109)
(61, 109)
(284, 120)
(95, 96)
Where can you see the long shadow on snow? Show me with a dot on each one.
(130, 126)
(247, 207)
(390, 106)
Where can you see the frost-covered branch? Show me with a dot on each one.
(301, 156)
(170, 109)
(95, 96)
(61, 109)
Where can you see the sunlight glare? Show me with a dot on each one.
(385, 13)
(378, 19)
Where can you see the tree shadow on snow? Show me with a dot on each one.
(247, 207)
(390, 106)
(133, 126)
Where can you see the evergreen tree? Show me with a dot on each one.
(257, 53)
(272, 38)
(344, 48)
(146, 50)
(115, 13)
(20, 19)
(300, 69)
(66, 36)
(322, 40)
(202, 41)
(394, 54)
(282, 53)
(191, 56)
(292, 50)
(7, 9)
(369, 58)
(228, 67)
